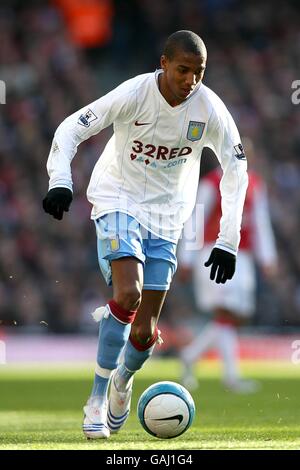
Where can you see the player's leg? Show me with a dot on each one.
(139, 347)
(144, 335)
(160, 266)
(159, 269)
(205, 294)
(236, 308)
(229, 303)
(127, 274)
(121, 262)
(127, 278)
(228, 323)
(195, 350)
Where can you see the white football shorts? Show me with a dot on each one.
(236, 295)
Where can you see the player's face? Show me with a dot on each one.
(181, 75)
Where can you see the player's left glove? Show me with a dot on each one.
(224, 262)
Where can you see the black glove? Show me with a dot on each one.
(223, 260)
(57, 201)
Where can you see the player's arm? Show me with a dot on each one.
(75, 129)
(193, 234)
(223, 138)
(264, 240)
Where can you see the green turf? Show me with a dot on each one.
(40, 408)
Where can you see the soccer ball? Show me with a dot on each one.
(166, 410)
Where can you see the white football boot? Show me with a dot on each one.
(189, 381)
(118, 405)
(95, 419)
(242, 386)
(188, 377)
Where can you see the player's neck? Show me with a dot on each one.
(166, 92)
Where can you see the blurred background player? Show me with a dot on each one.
(232, 304)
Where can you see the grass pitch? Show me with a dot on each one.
(41, 408)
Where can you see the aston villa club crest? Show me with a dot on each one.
(195, 130)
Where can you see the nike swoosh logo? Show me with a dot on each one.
(142, 123)
(179, 417)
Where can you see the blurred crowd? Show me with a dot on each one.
(49, 276)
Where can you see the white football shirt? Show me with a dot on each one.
(150, 167)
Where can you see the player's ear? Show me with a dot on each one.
(163, 62)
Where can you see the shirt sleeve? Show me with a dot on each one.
(207, 197)
(264, 240)
(223, 138)
(193, 234)
(119, 104)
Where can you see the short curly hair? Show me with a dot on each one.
(186, 41)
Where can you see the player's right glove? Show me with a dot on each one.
(224, 262)
(57, 202)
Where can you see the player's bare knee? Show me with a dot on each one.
(129, 297)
